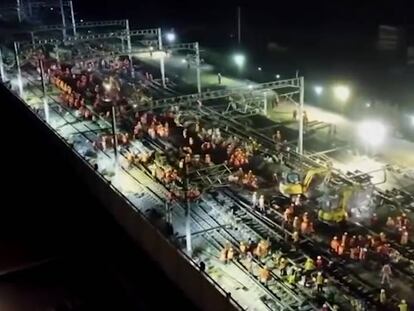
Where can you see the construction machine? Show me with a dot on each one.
(294, 185)
(346, 201)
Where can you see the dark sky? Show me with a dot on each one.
(272, 13)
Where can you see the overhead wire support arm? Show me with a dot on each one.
(185, 99)
(40, 4)
(181, 46)
(90, 37)
(95, 24)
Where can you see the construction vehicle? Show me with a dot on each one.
(293, 185)
(334, 207)
(345, 202)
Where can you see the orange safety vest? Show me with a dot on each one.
(341, 249)
(243, 248)
(334, 245)
(264, 275)
(304, 226)
(343, 239)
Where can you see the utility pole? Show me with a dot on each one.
(265, 103)
(33, 39)
(239, 25)
(72, 15)
(42, 76)
(62, 12)
(57, 53)
(45, 103)
(19, 70)
(187, 213)
(197, 48)
(115, 134)
(29, 6)
(301, 103)
(2, 74)
(162, 65)
(129, 47)
(19, 11)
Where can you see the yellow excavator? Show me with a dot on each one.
(355, 200)
(335, 209)
(293, 185)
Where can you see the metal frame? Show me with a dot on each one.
(296, 83)
(90, 37)
(190, 98)
(94, 24)
(210, 177)
(40, 4)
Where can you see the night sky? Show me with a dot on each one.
(266, 13)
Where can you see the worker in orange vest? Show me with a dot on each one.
(383, 237)
(334, 244)
(288, 213)
(295, 237)
(304, 226)
(390, 223)
(399, 222)
(344, 238)
(296, 224)
(319, 263)
(405, 221)
(363, 253)
(223, 255)
(374, 219)
(341, 249)
(352, 241)
(354, 252)
(264, 275)
(404, 236)
(311, 229)
(230, 254)
(383, 297)
(243, 248)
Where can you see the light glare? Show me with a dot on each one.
(342, 92)
(318, 90)
(170, 36)
(239, 59)
(372, 132)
